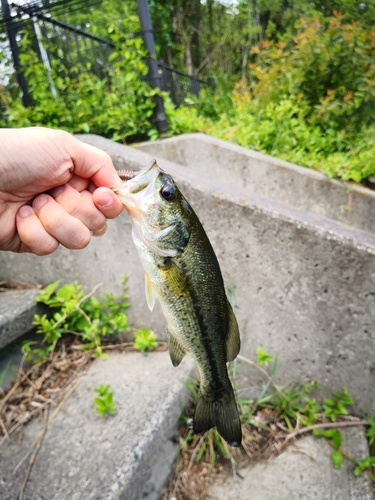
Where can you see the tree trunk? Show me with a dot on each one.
(188, 57)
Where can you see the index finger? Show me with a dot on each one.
(93, 163)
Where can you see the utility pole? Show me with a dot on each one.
(155, 78)
(11, 28)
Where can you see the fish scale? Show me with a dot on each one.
(182, 272)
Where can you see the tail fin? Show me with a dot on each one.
(223, 413)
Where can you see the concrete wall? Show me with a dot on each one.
(304, 283)
(279, 180)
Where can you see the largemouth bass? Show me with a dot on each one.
(182, 271)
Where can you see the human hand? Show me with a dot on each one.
(53, 189)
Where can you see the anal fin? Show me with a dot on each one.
(233, 342)
(176, 351)
(204, 415)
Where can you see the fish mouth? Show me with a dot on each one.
(141, 186)
(140, 180)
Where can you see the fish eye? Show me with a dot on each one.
(168, 193)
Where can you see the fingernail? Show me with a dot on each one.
(100, 232)
(25, 211)
(39, 202)
(56, 191)
(105, 200)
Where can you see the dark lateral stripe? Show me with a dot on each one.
(219, 377)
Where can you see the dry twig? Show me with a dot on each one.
(28, 470)
(329, 425)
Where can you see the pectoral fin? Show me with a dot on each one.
(175, 279)
(233, 342)
(176, 351)
(150, 294)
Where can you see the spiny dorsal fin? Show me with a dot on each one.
(150, 294)
(233, 342)
(176, 351)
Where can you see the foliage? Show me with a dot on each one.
(310, 102)
(83, 315)
(218, 35)
(335, 407)
(334, 436)
(307, 79)
(180, 120)
(328, 69)
(101, 18)
(145, 340)
(118, 104)
(371, 435)
(366, 463)
(263, 357)
(104, 401)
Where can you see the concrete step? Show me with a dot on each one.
(303, 471)
(131, 455)
(128, 455)
(17, 309)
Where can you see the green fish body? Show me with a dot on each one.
(182, 272)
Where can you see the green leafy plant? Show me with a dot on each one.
(365, 464)
(371, 435)
(145, 340)
(290, 407)
(105, 404)
(335, 407)
(118, 104)
(289, 404)
(368, 463)
(308, 101)
(334, 435)
(263, 357)
(83, 315)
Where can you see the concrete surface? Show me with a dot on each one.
(17, 309)
(127, 456)
(10, 358)
(304, 283)
(254, 172)
(303, 472)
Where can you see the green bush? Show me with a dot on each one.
(330, 69)
(118, 107)
(311, 101)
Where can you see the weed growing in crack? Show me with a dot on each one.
(269, 423)
(80, 314)
(145, 340)
(105, 404)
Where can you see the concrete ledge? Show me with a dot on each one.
(125, 456)
(302, 188)
(17, 309)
